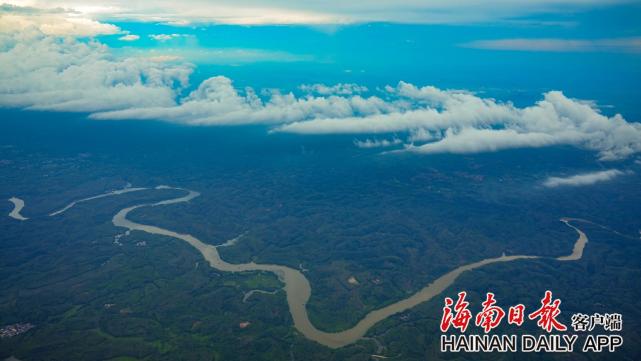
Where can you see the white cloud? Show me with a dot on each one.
(583, 179)
(423, 135)
(467, 123)
(472, 140)
(376, 143)
(560, 45)
(63, 74)
(129, 37)
(164, 37)
(164, 58)
(316, 12)
(337, 89)
(217, 102)
(57, 22)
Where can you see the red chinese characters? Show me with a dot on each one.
(491, 315)
(457, 315)
(460, 318)
(547, 314)
(516, 314)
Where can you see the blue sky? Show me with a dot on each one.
(419, 76)
(382, 53)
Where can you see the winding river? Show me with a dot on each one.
(18, 204)
(297, 287)
(126, 189)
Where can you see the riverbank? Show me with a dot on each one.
(298, 289)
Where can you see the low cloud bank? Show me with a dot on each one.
(376, 143)
(461, 122)
(63, 74)
(338, 89)
(38, 71)
(165, 37)
(582, 179)
(51, 21)
(129, 37)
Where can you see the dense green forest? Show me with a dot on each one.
(393, 222)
